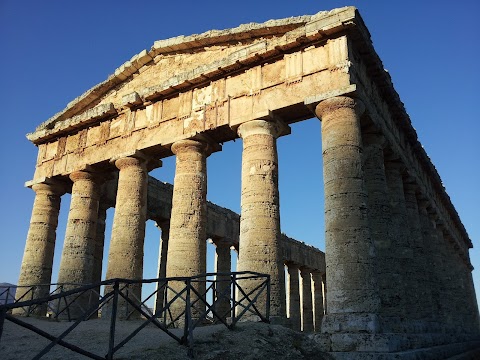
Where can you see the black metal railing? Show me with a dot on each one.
(186, 302)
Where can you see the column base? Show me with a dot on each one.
(454, 351)
(395, 344)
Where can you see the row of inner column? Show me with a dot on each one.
(387, 252)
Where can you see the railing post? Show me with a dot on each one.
(31, 299)
(3, 313)
(111, 342)
(234, 298)
(267, 310)
(188, 332)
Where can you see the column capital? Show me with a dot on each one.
(84, 175)
(292, 265)
(410, 187)
(423, 202)
(222, 242)
(339, 102)
(272, 127)
(374, 138)
(305, 270)
(395, 165)
(49, 186)
(191, 145)
(163, 224)
(137, 159)
(318, 273)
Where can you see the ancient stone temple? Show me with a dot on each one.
(397, 255)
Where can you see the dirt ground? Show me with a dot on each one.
(248, 341)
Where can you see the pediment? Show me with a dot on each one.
(175, 64)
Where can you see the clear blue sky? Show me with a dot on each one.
(53, 51)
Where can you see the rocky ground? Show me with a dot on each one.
(248, 341)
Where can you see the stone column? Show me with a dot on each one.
(294, 297)
(260, 249)
(187, 244)
(388, 269)
(352, 297)
(457, 294)
(125, 258)
(446, 286)
(99, 244)
(223, 263)
(429, 236)
(40, 245)
(402, 252)
(77, 263)
(162, 264)
(317, 299)
(307, 305)
(421, 292)
(474, 319)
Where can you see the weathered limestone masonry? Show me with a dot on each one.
(397, 255)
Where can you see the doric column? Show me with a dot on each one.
(379, 215)
(399, 233)
(307, 305)
(162, 263)
(420, 292)
(40, 245)
(350, 260)
(446, 286)
(457, 294)
(223, 263)
(125, 258)
(77, 264)
(99, 242)
(474, 319)
(317, 299)
(260, 215)
(187, 244)
(294, 297)
(429, 236)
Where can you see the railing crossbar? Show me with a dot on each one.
(195, 309)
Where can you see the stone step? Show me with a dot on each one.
(458, 351)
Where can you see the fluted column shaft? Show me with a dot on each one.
(223, 263)
(99, 245)
(40, 245)
(474, 319)
(317, 300)
(399, 232)
(421, 293)
(260, 215)
(349, 246)
(429, 236)
(99, 242)
(294, 297)
(379, 215)
(444, 269)
(307, 304)
(187, 244)
(125, 258)
(77, 264)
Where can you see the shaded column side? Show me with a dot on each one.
(38, 256)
